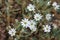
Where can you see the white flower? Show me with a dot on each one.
(31, 7)
(46, 28)
(55, 26)
(48, 17)
(16, 20)
(56, 7)
(54, 4)
(32, 25)
(37, 17)
(49, 3)
(25, 22)
(12, 32)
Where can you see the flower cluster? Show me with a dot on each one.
(26, 23)
(29, 23)
(37, 18)
(32, 23)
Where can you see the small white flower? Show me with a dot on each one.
(25, 22)
(49, 3)
(31, 7)
(48, 17)
(46, 28)
(32, 25)
(54, 4)
(56, 7)
(37, 17)
(16, 20)
(55, 26)
(12, 32)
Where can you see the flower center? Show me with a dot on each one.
(37, 17)
(47, 28)
(25, 22)
(31, 23)
(31, 8)
(12, 32)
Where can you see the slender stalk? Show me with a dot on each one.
(8, 14)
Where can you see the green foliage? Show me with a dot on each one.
(58, 10)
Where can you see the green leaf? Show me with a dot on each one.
(58, 10)
(56, 32)
(18, 1)
(34, 38)
(19, 27)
